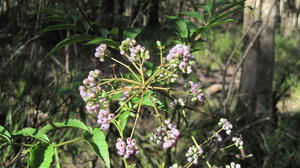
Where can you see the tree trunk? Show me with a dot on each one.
(257, 70)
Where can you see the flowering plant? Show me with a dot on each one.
(144, 86)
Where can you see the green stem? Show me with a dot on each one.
(126, 66)
(226, 147)
(56, 158)
(138, 115)
(67, 142)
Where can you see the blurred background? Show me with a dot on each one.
(248, 69)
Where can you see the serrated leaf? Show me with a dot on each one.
(132, 33)
(73, 39)
(101, 40)
(182, 28)
(59, 27)
(99, 144)
(34, 133)
(41, 155)
(70, 123)
(196, 15)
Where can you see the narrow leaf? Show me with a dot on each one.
(101, 40)
(59, 27)
(73, 39)
(71, 123)
(34, 133)
(41, 155)
(99, 144)
(131, 33)
(196, 15)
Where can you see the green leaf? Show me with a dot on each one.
(182, 28)
(219, 23)
(99, 144)
(34, 133)
(117, 96)
(52, 11)
(59, 27)
(5, 133)
(132, 33)
(114, 31)
(101, 40)
(104, 32)
(196, 15)
(62, 19)
(172, 17)
(70, 123)
(73, 39)
(123, 118)
(41, 155)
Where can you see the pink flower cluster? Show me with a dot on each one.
(104, 117)
(196, 91)
(175, 166)
(233, 165)
(136, 51)
(226, 125)
(126, 94)
(100, 52)
(181, 56)
(193, 154)
(127, 148)
(167, 136)
(238, 141)
(90, 92)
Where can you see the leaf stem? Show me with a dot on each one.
(67, 142)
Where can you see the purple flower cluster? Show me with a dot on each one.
(90, 92)
(238, 141)
(181, 56)
(127, 148)
(104, 117)
(134, 50)
(100, 52)
(233, 165)
(167, 136)
(193, 154)
(175, 166)
(226, 125)
(196, 91)
(126, 94)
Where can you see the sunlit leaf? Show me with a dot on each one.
(99, 144)
(41, 155)
(71, 123)
(34, 133)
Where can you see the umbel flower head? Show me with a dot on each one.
(133, 51)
